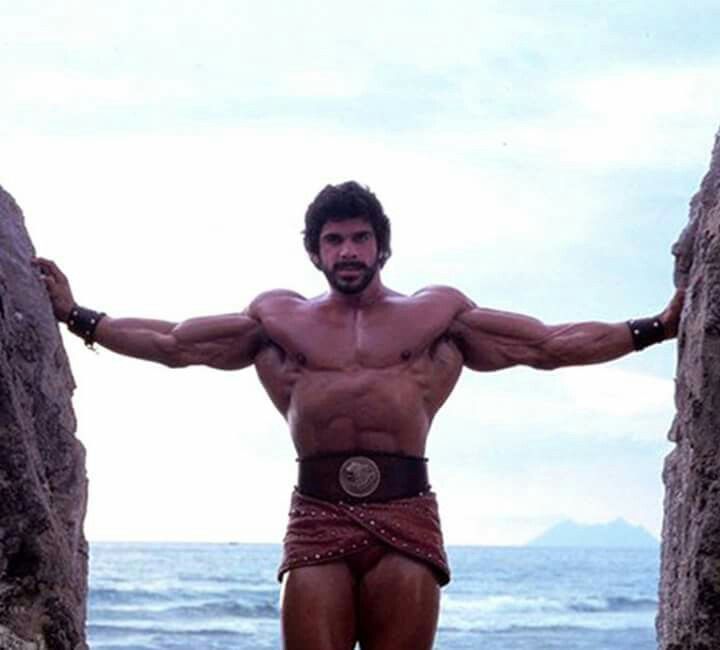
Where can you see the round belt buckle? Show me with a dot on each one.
(359, 476)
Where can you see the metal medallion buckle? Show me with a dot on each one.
(359, 476)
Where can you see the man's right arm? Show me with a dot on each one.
(227, 342)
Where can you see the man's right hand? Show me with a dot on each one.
(57, 286)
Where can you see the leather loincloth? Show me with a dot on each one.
(322, 531)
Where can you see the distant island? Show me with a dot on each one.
(614, 534)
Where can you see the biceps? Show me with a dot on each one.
(492, 340)
(223, 354)
(494, 353)
(236, 353)
(217, 342)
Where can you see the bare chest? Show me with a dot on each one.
(337, 341)
(319, 361)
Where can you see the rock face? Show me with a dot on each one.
(43, 485)
(689, 615)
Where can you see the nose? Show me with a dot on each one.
(347, 251)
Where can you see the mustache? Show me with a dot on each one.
(349, 266)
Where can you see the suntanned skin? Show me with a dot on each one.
(365, 370)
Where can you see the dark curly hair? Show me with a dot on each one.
(348, 200)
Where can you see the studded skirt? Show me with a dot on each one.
(322, 531)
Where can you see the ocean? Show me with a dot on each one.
(225, 596)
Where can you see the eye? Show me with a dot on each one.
(332, 239)
(361, 237)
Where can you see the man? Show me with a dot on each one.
(359, 372)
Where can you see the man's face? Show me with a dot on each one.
(348, 254)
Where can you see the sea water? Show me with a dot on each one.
(226, 596)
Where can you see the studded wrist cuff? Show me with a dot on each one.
(83, 322)
(646, 331)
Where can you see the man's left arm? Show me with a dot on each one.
(492, 340)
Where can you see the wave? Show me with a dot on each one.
(144, 596)
(134, 596)
(216, 609)
(507, 604)
(204, 577)
(615, 604)
(535, 630)
(98, 629)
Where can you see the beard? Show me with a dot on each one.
(356, 285)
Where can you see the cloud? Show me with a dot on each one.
(58, 89)
(616, 392)
(516, 161)
(653, 93)
(606, 402)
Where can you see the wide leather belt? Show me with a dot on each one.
(362, 476)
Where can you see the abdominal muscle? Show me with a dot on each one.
(370, 409)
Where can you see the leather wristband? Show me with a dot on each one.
(82, 322)
(646, 331)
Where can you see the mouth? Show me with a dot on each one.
(349, 268)
(349, 275)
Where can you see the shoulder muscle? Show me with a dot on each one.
(271, 300)
(453, 298)
(491, 339)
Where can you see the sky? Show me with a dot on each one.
(539, 157)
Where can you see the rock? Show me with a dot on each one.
(689, 612)
(43, 485)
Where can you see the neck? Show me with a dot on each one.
(368, 296)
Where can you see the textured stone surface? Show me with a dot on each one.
(43, 485)
(689, 614)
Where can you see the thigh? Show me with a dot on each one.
(318, 608)
(398, 604)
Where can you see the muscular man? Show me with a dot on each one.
(359, 373)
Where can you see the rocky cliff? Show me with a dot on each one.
(689, 615)
(43, 485)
